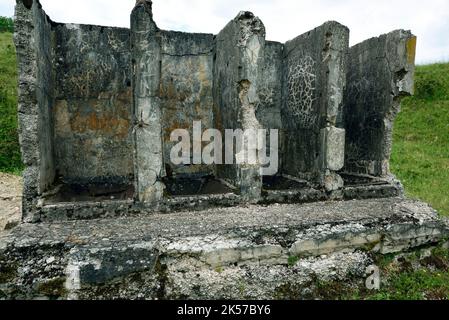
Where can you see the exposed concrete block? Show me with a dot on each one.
(331, 181)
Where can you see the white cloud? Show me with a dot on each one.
(284, 19)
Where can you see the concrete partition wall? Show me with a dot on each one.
(35, 51)
(238, 55)
(314, 80)
(380, 74)
(146, 60)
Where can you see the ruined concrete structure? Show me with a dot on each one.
(97, 106)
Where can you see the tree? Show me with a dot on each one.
(6, 24)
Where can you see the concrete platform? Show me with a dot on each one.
(53, 211)
(252, 252)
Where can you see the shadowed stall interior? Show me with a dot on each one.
(93, 111)
(185, 92)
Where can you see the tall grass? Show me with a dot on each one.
(10, 160)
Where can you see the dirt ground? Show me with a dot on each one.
(10, 200)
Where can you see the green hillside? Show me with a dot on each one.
(9, 144)
(421, 138)
(421, 149)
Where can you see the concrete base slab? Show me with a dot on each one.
(252, 252)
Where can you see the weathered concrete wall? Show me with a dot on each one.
(146, 57)
(93, 110)
(314, 79)
(99, 105)
(238, 57)
(34, 42)
(380, 73)
(268, 110)
(186, 90)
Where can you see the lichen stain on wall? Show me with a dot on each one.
(91, 127)
(186, 96)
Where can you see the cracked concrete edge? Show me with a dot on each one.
(413, 224)
(91, 256)
(112, 209)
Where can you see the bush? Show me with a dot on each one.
(6, 24)
(432, 82)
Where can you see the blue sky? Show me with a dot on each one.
(284, 19)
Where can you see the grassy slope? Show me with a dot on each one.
(9, 147)
(421, 139)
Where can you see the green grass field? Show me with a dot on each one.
(421, 139)
(9, 144)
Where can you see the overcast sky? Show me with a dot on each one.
(284, 19)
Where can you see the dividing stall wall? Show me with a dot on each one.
(312, 109)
